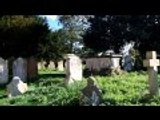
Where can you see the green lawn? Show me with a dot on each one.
(128, 89)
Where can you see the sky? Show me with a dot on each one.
(53, 22)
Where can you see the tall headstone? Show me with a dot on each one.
(3, 71)
(20, 68)
(151, 63)
(60, 66)
(32, 69)
(73, 68)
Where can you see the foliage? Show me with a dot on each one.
(113, 31)
(20, 35)
(55, 47)
(74, 26)
(129, 89)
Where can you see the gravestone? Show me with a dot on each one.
(115, 61)
(115, 64)
(32, 70)
(20, 68)
(3, 71)
(73, 68)
(128, 63)
(51, 65)
(16, 87)
(151, 63)
(41, 65)
(60, 66)
(91, 94)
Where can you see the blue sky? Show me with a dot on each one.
(53, 21)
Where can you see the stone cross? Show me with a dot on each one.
(151, 63)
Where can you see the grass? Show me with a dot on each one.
(129, 89)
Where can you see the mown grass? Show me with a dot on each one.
(128, 89)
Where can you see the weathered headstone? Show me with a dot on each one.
(20, 68)
(32, 69)
(73, 68)
(3, 71)
(60, 66)
(128, 63)
(41, 65)
(51, 65)
(115, 64)
(16, 87)
(91, 94)
(151, 63)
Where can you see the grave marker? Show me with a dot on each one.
(151, 63)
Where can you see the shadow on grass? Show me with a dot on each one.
(3, 96)
(49, 79)
(45, 76)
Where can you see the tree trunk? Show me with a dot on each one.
(32, 68)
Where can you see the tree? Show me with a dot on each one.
(113, 31)
(74, 26)
(106, 32)
(55, 47)
(20, 35)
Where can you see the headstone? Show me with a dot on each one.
(115, 64)
(16, 87)
(91, 94)
(20, 68)
(41, 65)
(128, 63)
(51, 65)
(32, 68)
(60, 66)
(3, 71)
(73, 68)
(151, 63)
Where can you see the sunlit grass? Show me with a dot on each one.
(128, 89)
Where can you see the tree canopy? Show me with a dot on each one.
(20, 35)
(55, 47)
(113, 31)
(74, 26)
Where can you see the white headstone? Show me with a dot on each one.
(16, 87)
(41, 65)
(115, 61)
(3, 71)
(51, 65)
(73, 68)
(20, 68)
(60, 66)
(151, 63)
